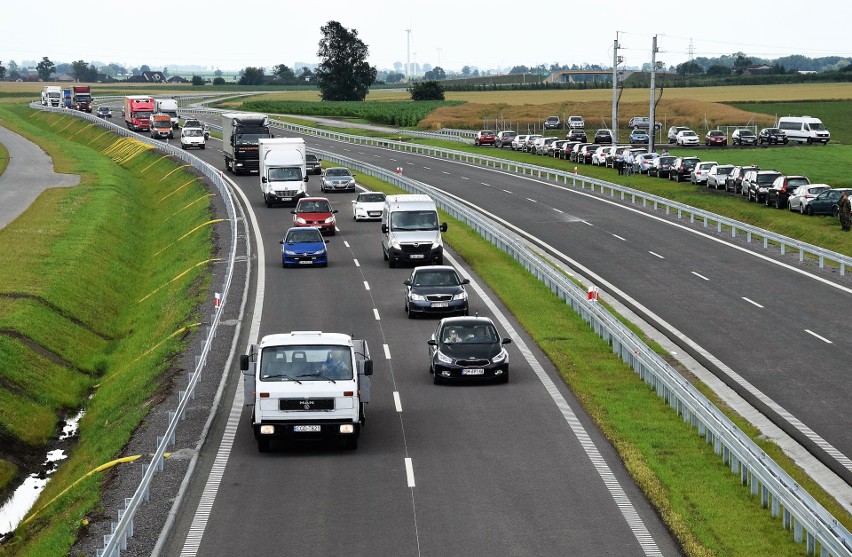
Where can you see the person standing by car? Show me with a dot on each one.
(844, 208)
(629, 162)
(619, 163)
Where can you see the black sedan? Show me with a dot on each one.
(435, 290)
(603, 136)
(468, 348)
(772, 135)
(577, 134)
(826, 202)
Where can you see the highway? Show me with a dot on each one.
(513, 469)
(497, 468)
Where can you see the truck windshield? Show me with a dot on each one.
(414, 220)
(290, 174)
(142, 114)
(53, 95)
(250, 138)
(84, 97)
(306, 363)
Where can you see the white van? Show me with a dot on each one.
(804, 129)
(411, 232)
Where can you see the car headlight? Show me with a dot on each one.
(443, 358)
(395, 243)
(329, 219)
(416, 297)
(300, 220)
(289, 252)
(319, 251)
(460, 296)
(500, 358)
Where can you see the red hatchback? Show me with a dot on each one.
(315, 211)
(484, 137)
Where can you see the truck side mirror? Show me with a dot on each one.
(407, 282)
(432, 342)
(384, 229)
(443, 227)
(506, 340)
(334, 211)
(465, 281)
(306, 178)
(244, 362)
(368, 367)
(263, 179)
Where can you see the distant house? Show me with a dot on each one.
(64, 77)
(177, 79)
(148, 77)
(757, 69)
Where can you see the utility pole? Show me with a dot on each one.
(408, 54)
(651, 124)
(616, 60)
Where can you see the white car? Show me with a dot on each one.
(803, 194)
(518, 143)
(599, 156)
(699, 174)
(687, 138)
(192, 137)
(576, 122)
(368, 205)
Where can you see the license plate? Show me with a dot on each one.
(306, 428)
(416, 256)
(473, 371)
(440, 304)
(305, 262)
(286, 199)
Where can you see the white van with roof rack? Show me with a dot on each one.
(804, 129)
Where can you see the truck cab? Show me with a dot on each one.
(241, 133)
(307, 385)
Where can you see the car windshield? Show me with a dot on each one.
(371, 197)
(337, 172)
(746, 133)
(766, 178)
(689, 133)
(305, 363)
(446, 277)
(192, 124)
(817, 189)
(716, 133)
(192, 132)
(414, 220)
(313, 207)
(284, 174)
(470, 334)
(303, 235)
(311, 158)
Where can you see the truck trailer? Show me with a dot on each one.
(137, 112)
(170, 107)
(283, 174)
(81, 97)
(307, 385)
(241, 132)
(66, 98)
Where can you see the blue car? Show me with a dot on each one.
(304, 245)
(639, 136)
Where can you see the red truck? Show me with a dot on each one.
(81, 97)
(137, 112)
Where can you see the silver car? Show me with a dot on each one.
(518, 143)
(802, 196)
(337, 179)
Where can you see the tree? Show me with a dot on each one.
(2, 70)
(427, 91)
(718, 70)
(519, 70)
(251, 76)
(436, 74)
(284, 73)
(45, 68)
(689, 68)
(307, 76)
(466, 71)
(79, 69)
(344, 74)
(14, 73)
(741, 63)
(217, 73)
(394, 77)
(197, 80)
(218, 80)
(144, 68)
(90, 75)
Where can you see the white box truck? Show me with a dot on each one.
(804, 129)
(410, 230)
(307, 385)
(167, 106)
(283, 173)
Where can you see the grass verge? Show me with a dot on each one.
(4, 158)
(702, 503)
(108, 277)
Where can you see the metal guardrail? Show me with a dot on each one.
(776, 490)
(785, 243)
(121, 530)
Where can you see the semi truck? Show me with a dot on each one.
(170, 107)
(81, 97)
(51, 95)
(137, 112)
(241, 132)
(307, 385)
(283, 174)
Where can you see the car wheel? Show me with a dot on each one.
(835, 211)
(809, 211)
(436, 379)
(391, 263)
(801, 208)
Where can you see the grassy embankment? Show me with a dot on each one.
(4, 158)
(693, 490)
(107, 280)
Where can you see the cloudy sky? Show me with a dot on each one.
(486, 35)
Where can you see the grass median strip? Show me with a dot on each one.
(76, 331)
(703, 504)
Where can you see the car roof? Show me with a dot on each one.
(425, 268)
(465, 320)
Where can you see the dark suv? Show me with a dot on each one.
(756, 182)
(682, 167)
(552, 123)
(772, 135)
(782, 188)
(312, 164)
(734, 181)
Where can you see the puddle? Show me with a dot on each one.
(13, 511)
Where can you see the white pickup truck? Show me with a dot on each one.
(307, 385)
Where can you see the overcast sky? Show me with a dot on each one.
(487, 35)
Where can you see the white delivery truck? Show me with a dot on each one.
(283, 174)
(307, 385)
(167, 106)
(51, 95)
(804, 129)
(410, 230)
